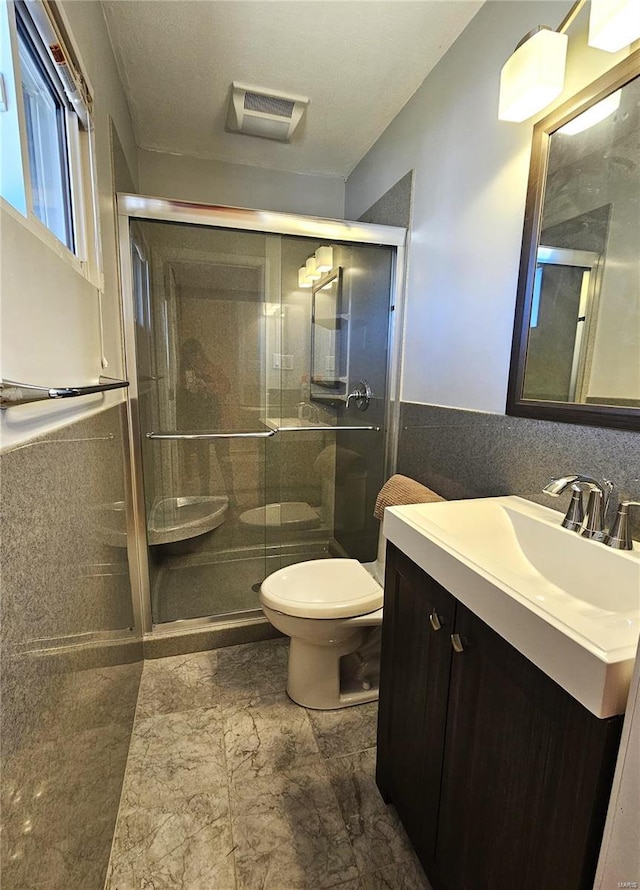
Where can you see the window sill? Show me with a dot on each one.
(33, 225)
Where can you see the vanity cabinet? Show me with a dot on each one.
(499, 776)
(413, 695)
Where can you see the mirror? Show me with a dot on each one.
(576, 345)
(329, 340)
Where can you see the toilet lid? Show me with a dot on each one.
(288, 515)
(322, 588)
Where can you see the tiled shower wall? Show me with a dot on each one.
(358, 534)
(70, 661)
(466, 454)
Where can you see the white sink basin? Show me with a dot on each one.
(570, 605)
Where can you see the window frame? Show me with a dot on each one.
(28, 47)
(81, 174)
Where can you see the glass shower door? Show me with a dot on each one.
(327, 462)
(201, 296)
(251, 457)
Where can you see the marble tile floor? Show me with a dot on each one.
(231, 786)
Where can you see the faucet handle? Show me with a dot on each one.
(619, 537)
(607, 488)
(593, 525)
(597, 505)
(574, 516)
(362, 395)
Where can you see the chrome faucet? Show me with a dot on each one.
(574, 516)
(619, 537)
(589, 522)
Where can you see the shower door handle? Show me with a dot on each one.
(326, 428)
(249, 434)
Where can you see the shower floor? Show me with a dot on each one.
(195, 587)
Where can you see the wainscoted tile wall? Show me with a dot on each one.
(68, 698)
(466, 454)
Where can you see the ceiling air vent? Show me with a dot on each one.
(267, 113)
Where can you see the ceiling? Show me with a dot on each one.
(358, 61)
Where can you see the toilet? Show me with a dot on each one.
(329, 608)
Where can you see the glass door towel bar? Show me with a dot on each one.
(248, 434)
(258, 434)
(12, 393)
(325, 428)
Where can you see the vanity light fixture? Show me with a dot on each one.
(316, 266)
(613, 24)
(533, 76)
(593, 115)
(324, 259)
(312, 271)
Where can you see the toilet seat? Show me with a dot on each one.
(286, 516)
(322, 588)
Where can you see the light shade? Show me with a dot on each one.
(593, 115)
(303, 279)
(613, 24)
(533, 76)
(312, 272)
(324, 259)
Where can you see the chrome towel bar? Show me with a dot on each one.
(248, 434)
(12, 393)
(326, 428)
(255, 434)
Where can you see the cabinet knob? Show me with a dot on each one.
(456, 642)
(434, 620)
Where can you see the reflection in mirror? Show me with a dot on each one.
(563, 306)
(577, 337)
(330, 330)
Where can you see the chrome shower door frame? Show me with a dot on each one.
(264, 222)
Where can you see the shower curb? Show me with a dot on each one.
(216, 636)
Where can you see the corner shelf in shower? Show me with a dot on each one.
(171, 519)
(178, 519)
(333, 322)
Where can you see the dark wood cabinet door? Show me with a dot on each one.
(415, 666)
(526, 774)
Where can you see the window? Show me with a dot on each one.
(45, 121)
(51, 105)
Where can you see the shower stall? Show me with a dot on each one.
(263, 397)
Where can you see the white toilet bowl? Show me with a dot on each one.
(327, 607)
